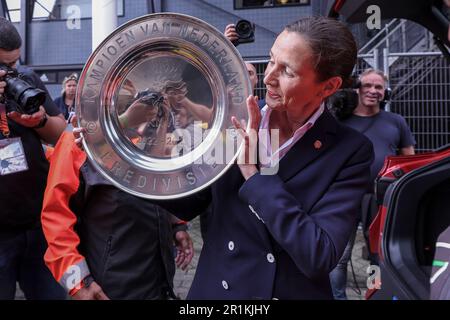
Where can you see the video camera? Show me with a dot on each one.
(28, 98)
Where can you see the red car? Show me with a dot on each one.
(414, 197)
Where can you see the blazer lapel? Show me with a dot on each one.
(315, 142)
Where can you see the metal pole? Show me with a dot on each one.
(104, 20)
(3, 8)
(386, 72)
(416, 54)
(375, 59)
(404, 49)
(386, 61)
(23, 30)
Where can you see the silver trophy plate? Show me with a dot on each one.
(156, 99)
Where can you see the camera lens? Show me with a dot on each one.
(31, 99)
(244, 28)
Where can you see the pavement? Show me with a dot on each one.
(356, 285)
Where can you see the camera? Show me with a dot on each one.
(246, 32)
(28, 98)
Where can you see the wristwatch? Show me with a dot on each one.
(42, 123)
(87, 281)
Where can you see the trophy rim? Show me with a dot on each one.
(148, 18)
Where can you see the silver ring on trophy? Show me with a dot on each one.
(156, 99)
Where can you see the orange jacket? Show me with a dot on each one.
(66, 264)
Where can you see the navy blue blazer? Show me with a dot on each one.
(279, 236)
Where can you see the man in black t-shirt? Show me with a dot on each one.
(23, 174)
(390, 135)
(388, 132)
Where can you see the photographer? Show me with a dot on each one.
(241, 32)
(232, 35)
(23, 176)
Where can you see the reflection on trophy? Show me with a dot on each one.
(155, 120)
(156, 99)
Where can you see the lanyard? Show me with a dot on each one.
(4, 120)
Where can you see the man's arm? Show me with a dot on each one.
(407, 141)
(56, 123)
(62, 257)
(199, 111)
(51, 128)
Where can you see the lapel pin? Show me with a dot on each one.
(317, 144)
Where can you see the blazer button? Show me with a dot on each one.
(270, 258)
(231, 245)
(224, 284)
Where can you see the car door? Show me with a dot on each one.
(413, 193)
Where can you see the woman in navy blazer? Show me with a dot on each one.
(279, 235)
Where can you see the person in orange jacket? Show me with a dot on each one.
(104, 243)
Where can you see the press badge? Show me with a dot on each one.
(12, 156)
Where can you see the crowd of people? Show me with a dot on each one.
(66, 231)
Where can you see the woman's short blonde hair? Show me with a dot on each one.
(72, 77)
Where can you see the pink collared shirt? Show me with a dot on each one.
(269, 159)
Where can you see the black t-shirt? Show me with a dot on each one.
(21, 193)
(387, 131)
